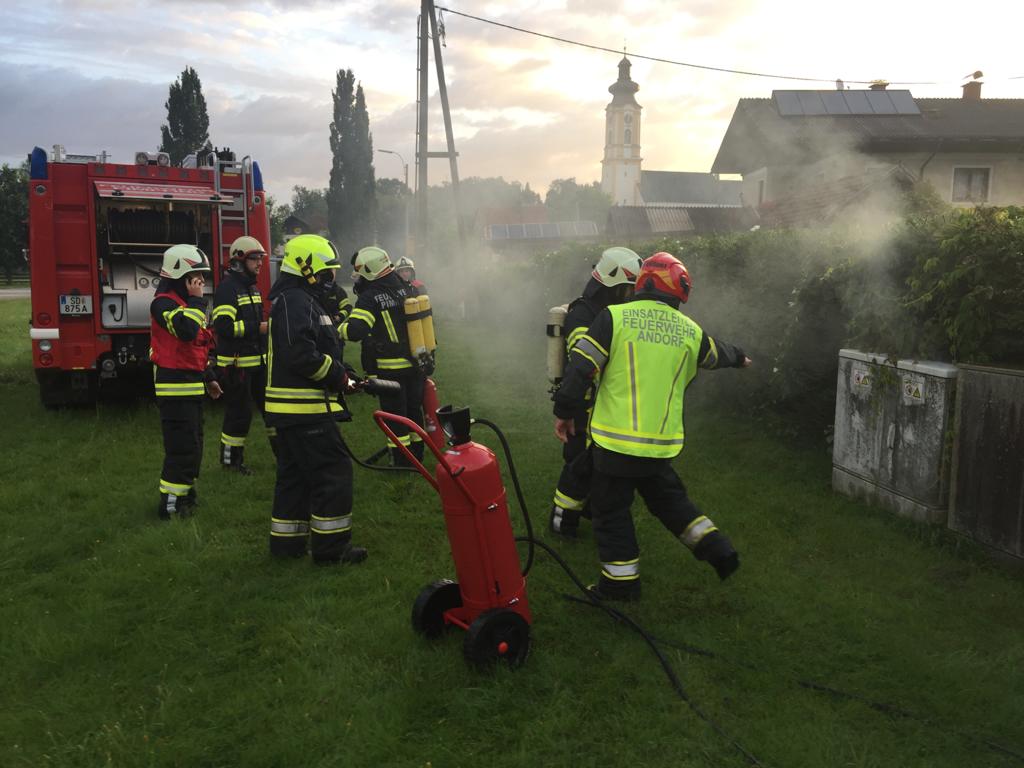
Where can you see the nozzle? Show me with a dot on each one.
(455, 423)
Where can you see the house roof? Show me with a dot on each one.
(688, 188)
(758, 135)
(515, 214)
(824, 203)
(643, 220)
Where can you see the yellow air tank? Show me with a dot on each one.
(428, 323)
(414, 324)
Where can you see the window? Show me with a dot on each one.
(970, 185)
(627, 118)
(628, 136)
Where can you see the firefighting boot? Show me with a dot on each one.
(232, 458)
(626, 592)
(174, 506)
(718, 551)
(564, 522)
(350, 555)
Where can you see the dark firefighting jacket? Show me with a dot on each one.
(237, 314)
(304, 357)
(179, 342)
(378, 322)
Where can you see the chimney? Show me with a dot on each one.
(972, 89)
(878, 85)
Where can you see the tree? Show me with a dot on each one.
(393, 210)
(351, 196)
(13, 213)
(568, 201)
(277, 213)
(188, 125)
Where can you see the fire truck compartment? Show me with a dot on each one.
(131, 238)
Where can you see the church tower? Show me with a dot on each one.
(620, 168)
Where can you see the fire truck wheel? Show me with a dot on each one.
(432, 602)
(497, 635)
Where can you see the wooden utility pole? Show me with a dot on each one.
(428, 28)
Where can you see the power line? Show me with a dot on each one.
(668, 61)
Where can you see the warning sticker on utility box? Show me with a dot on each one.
(860, 376)
(913, 389)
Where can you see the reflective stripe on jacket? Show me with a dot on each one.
(237, 314)
(652, 357)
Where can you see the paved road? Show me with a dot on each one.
(13, 293)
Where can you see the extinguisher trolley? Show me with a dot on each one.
(488, 600)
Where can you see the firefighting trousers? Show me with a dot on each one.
(574, 480)
(408, 403)
(181, 421)
(313, 492)
(243, 389)
(610, 500)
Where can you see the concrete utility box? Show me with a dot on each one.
(892, 422)
(987, 500)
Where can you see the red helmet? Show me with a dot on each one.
(664, 274)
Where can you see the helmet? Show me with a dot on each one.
(246, 246)
(306, 255)
(371, 262)
(617, 266)
(663, 274)
(406, 263)
(179, 260)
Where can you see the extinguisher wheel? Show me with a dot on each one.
(497, 636)
(431, 603)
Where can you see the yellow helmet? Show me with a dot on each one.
(181, 259)
(371, 262)
(246, 246)
(306, 255)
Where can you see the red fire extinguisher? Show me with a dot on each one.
(488, 599)
(430, 407)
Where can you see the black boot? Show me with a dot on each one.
(350, 555)
(175, 506)
(564, 522)
(232, 458)
(719, 553)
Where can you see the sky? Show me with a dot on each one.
(93, 74)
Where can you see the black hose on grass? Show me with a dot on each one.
(532, 542)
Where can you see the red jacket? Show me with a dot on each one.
(187, 347)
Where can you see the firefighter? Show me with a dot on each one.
(406, 269)
(378, 323)
(313, 492)
(241, 330)
(179, 344)
(646, 352)
(611, 282)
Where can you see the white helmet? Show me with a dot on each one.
(616, 266)
(405, 263)
(179, 260)
(371, 262)
(246, 246)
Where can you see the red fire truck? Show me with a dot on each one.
(97, 233)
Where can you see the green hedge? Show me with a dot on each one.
(939, 284)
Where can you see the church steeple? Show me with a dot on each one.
(620, 168)
(622, 90)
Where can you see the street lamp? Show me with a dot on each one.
(405, 165)
(405, 199)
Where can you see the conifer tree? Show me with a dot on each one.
(188, 125)
(351, 196)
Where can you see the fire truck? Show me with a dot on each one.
(97, 233)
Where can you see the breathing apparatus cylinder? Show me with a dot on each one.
(556, 342)
(414, 324)
(428, 323)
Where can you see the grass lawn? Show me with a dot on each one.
(130, 642)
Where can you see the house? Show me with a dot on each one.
(799, 147)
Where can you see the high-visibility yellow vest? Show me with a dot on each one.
(651, 359)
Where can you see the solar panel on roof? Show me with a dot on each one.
(788, 103)
(587, 228)
(819, 103)
(834, 102)
(811, 103)
(499, 232)
(881, 103)
(904, 103)
(533, 230)
(515, 231)
(550, 229)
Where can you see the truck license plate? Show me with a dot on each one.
(74, 304)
